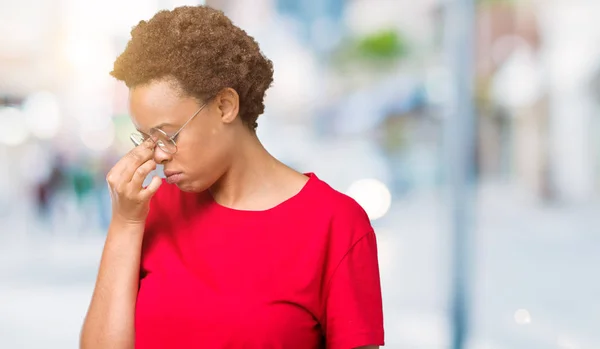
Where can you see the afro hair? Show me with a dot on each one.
(203, 51)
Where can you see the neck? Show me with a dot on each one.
(252, 173)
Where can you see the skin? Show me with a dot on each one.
(217, 154)
(216, 151)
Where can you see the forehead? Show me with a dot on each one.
(156, 103)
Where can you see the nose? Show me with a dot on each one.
(161, 157)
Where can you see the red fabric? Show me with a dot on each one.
(303, 274)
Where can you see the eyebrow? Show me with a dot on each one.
(159, 126)
(164, 124)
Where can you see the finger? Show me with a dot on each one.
(152, 188)
(141, 173)
(142, 152)
(124, 163)
(135, 158)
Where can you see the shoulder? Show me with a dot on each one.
(338, 204)
(347, 219)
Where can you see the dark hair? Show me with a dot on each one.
(203, 51)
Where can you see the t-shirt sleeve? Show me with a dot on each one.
(353, 306)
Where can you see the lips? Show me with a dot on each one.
(170, 173)
(172, 176)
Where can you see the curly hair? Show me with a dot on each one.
(203, 51)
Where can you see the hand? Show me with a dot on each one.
(130, 200)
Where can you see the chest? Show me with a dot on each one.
(246, 285)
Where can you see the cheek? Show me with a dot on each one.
(206, 152)
(197, 142)
(203, 167)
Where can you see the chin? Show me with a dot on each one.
(191, 187)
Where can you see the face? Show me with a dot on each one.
(205, 146)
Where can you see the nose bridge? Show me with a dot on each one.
(160, 156)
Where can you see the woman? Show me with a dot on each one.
(235, 250)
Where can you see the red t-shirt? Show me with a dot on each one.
(303, 274)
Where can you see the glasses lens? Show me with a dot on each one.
(164, 142)
(137, 138)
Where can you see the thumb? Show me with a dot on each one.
(152, 188)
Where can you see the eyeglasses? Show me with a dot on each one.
(165, 142)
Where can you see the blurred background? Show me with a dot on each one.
(365, 96)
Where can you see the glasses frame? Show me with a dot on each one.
(138, 138)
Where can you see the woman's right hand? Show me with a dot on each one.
(130, 200)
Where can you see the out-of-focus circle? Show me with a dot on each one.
(14, 130)
(374, 197)
(522, 317)
(42, 114)
(99, 139)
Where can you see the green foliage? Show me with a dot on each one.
(377, 50)
(386, 44)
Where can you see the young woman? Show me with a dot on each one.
(234, 249)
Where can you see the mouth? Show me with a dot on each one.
(173, 177)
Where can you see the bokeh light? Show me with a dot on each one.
(372, 195)
(522, 317)
(14, 130)
(98, 138)
(42, 114)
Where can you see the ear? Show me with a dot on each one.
(228, 102)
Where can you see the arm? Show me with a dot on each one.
(354, 315)
(110, 320)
